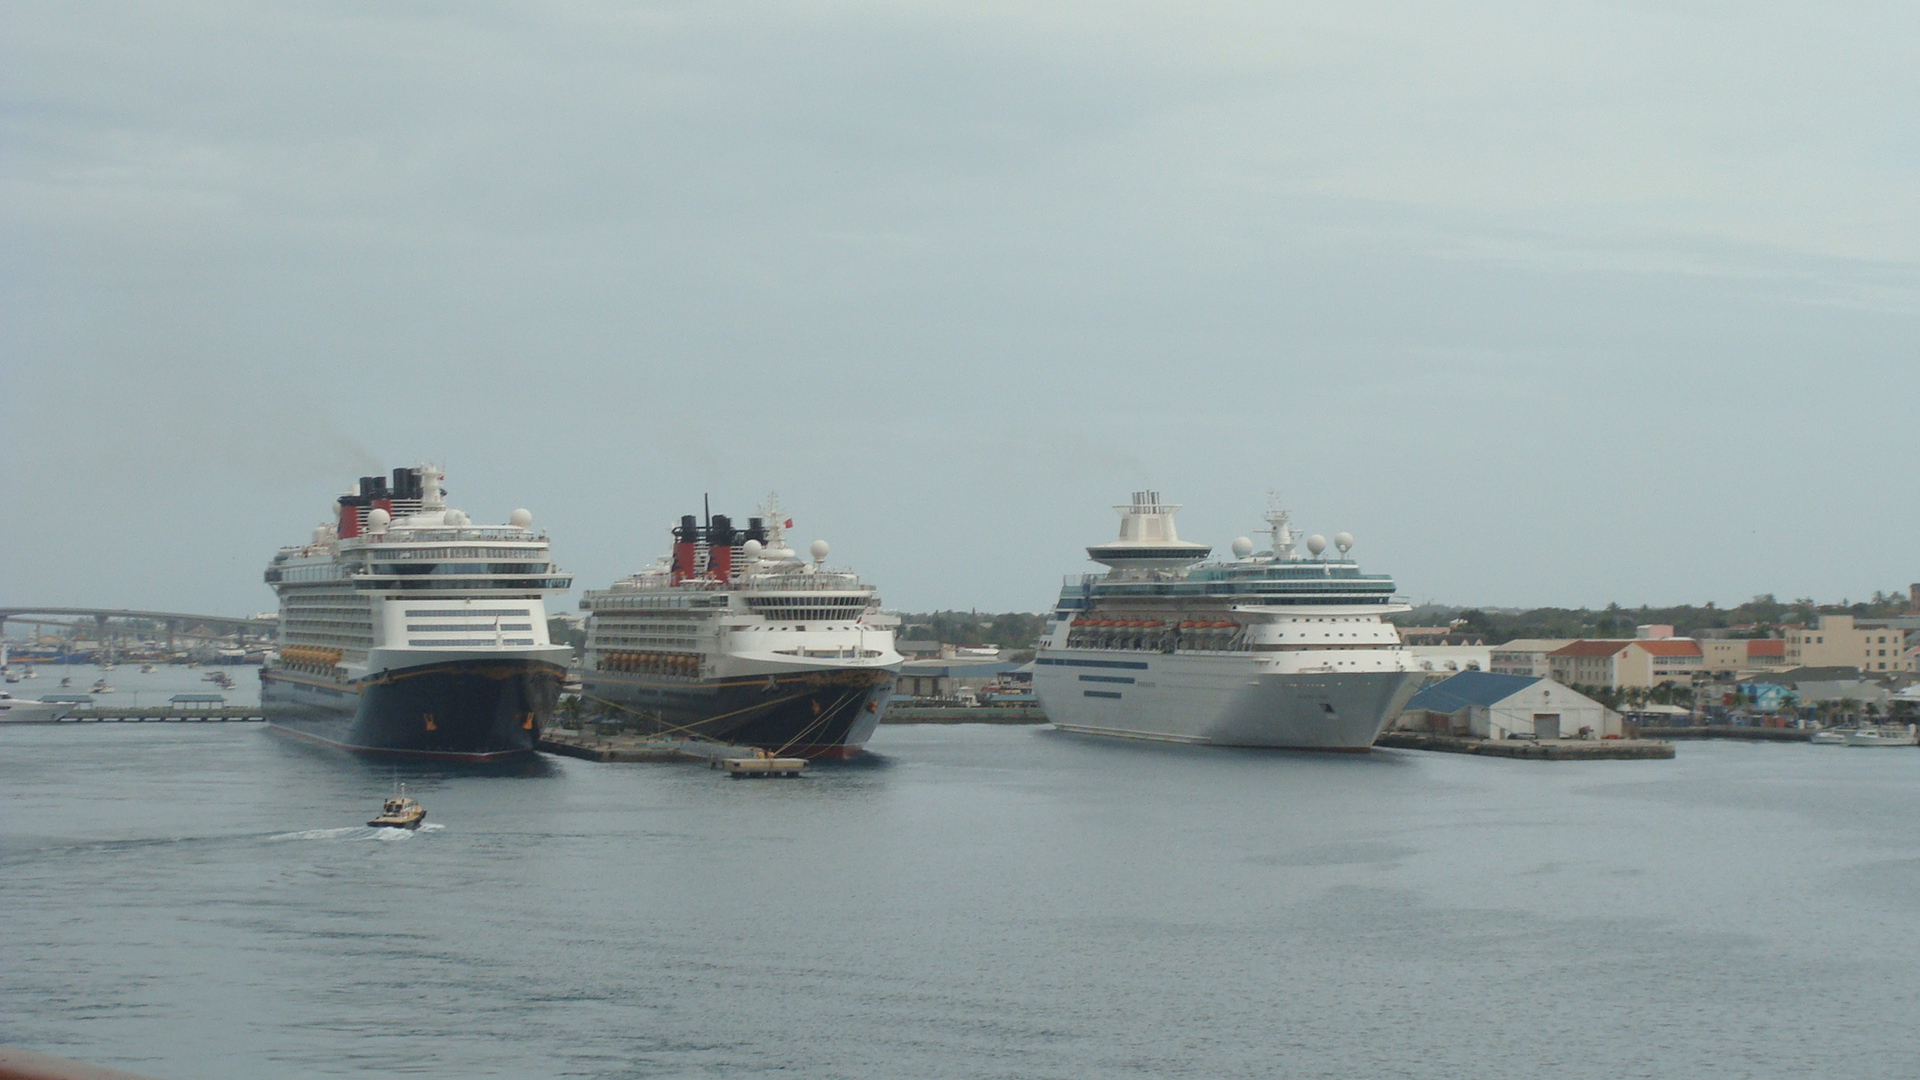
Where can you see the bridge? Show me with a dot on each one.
(174, 621)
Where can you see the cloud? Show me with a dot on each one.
(1419, 268)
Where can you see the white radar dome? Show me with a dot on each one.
(378, 519)
(1343, 541)
(1316, 543)
(1242, 547)
(520, 518)
(752, 549)
(818, 549)
(456, 517)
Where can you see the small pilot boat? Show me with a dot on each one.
(400, 811)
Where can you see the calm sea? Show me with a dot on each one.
(972, 902)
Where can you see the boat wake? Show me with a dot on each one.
(319, 834)
(391, 835)
(352, 832)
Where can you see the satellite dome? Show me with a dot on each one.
(456, 517)
(378, 520)
(1316, 543)
(1242, 547)
(520, 518)
(1343, 541)
(818, 549)
(752, 549)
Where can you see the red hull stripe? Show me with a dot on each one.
(439, 755)
(836, 752)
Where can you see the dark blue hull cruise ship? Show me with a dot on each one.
(406, 629)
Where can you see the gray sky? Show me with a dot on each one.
(1563, 303)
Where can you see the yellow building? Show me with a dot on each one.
(1838, 642)
(1739, 654)
(1644, 663)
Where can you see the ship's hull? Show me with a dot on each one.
(812, 714)
(1217, 700)
(471, 709)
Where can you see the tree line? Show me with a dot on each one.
(1762, 616)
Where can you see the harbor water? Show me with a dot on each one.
(967, 902)
(132, 687)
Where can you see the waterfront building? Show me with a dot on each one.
(1617, 664)
(949, 679)
(1739, 655)
(1525, 656)
(1443, 657)
(1870, 645)
(1488, 706)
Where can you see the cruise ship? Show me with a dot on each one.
(1268, 649)
(734, 637)
(407, 629)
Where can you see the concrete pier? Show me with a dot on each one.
(1729, 731)
(167, 714)
(960, 714)
(1544, 750)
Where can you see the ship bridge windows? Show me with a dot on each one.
(453, 584)
(418, 568)
(446, 553)
(816, 608)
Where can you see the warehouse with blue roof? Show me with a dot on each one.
(1489, 706)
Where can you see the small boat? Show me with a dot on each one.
(147, 669)
(1884, 735)
(66, 680)
(761, 763)
(400, 811)
(100, 687)
(1835, 737)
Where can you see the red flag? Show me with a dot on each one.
(788, 525)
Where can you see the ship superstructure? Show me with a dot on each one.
(735, 637)
(1273, 648)
(405, 628)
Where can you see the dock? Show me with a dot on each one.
(1544, 750)
(961, 714)
(165, 714)
(1730, 731)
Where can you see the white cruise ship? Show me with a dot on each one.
(407, 629)
(1271, 649)
(734, 637)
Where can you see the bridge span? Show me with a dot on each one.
(176, 622)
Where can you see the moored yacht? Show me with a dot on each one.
(15, 710)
